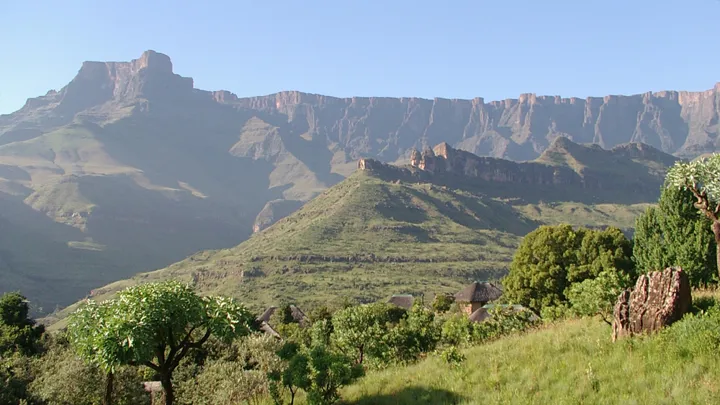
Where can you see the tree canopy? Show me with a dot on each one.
(154, 325)
(675, 233)
(18, 332)
(702, 178)
(552, 258)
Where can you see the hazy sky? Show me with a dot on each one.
(444, 48)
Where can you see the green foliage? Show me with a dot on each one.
(453, 356)
(414, 335)
(360, 331)
(552, 258)
(15, 376)
(18, 332)
(675, 233)
(597, 296)
(458, 330)
(63, 378)
(318, 371)
(240, 375)
(154, 325)
(701, 175)
(442, 302)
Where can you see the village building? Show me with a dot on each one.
(405, 301)
(476, 295)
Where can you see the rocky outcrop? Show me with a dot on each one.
(657, 300)
(567, 164)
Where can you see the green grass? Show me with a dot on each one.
(572, 362)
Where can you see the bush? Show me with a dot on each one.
(62, 378)
(552, 258)
(452, 356)
(675, 233)
(239, 374)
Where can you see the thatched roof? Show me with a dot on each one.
(402, 300)
(265, 327)
(479, 292)
(480, 315)
(297, 314)
(485, 313)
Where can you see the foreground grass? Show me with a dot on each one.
(572, 362)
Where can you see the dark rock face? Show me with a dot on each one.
(658, 300)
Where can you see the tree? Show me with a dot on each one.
(442, 302)
(361, 329)
(675, 233)
(18, 332)
(552, 258)
(154, 325)
(318, 371)
(417, 333)
(702, 178)
(597, 296)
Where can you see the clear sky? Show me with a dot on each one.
(452, 48)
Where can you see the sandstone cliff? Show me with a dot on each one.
(634, 168)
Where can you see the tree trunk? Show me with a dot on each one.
(107, 400)
(166, 381)
(716, 232)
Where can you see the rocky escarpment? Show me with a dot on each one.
(564, 163)
(682, 123)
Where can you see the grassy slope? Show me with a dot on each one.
(366, 239)
(572, 362)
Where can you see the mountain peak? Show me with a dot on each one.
(149, 77)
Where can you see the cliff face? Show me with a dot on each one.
(682, 123)
(633, 168)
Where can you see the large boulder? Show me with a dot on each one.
(658, 299)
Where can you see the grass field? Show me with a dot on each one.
(571, 362)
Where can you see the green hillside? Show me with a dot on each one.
(568, 363)
(367, 238)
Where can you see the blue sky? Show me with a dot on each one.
(454, 49)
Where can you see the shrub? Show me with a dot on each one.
(552, 258)
(452, 356)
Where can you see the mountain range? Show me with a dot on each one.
(129, 168)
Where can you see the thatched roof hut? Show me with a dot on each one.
(479, 292)
(297, 314)
(402, 300)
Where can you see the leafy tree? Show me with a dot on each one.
(674, 233)
(328, 373)
(702, 178)
(361, 329)
(18, 332)
(416, 334)
(15, 377)
(597, 296)
(552, 258)
(292, 377)
(318, 371)
(154, 325)
(442, 302)
(239, 375)
(63, 378)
